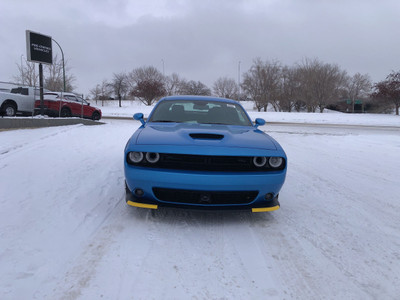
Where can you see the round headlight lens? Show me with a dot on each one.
(259, 161)
(275, 162)
(136, 157)
(152, 157)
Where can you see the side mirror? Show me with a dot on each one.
(260, 122)
(139, 117)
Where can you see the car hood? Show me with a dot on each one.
(204, 135)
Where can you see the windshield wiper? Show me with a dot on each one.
(215, 123)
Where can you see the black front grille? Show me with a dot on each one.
(207, 163)
(204, 197)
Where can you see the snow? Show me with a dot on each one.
(66, 232)
(111, 109)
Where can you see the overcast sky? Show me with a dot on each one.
(203, 39)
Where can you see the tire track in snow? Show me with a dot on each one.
(187, 254)
(256, 266)
(16, 147)
(335, 232)
(109, 253)
(91, 253)
(190, 246)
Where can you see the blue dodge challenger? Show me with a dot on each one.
(203, 152)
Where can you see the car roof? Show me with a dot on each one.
(197, 98)
(59, 93)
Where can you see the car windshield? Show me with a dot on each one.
(201, 112)
(81, 100)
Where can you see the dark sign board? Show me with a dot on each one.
(38, 48)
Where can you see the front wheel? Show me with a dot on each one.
(9, 109)
(95, 116)
(65, 113)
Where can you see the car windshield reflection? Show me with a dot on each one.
(201, 112)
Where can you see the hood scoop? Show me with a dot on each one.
(206, 136)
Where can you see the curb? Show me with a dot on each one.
(19, 123)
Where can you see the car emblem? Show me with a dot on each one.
(205, 198)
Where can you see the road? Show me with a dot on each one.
(66, 233)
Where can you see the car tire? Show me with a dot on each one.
(65, 113)
(95, 116)
(9, 109)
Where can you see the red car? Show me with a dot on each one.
(57, 104)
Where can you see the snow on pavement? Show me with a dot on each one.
(66, 232)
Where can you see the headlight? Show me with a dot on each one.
(275, 162)
(135, 157)
(152, 157)
(259, 161)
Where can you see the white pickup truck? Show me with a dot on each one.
(18, 100)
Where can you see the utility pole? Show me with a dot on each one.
(239, 79)
(62, 57)
(41, 88)
(22, 72)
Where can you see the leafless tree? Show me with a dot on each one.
(149, 73)
(105, 90)
(288, 89)
(53, 75)
(273, 82)
(147, 84)
(194, 88)
(226, 87)
(262, 82)
(27, 74)
(252, 85)
(54, 79)
(96, 92)
(306, 79)
(102, 91)
(173, 84)
(357, 86)
(389, 90)
(320, 83)
(119, 85)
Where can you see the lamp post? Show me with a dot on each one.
(239, 79)
(62, 56)
(163, 67)
(22, 71)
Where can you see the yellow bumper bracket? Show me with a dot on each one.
(263, 209)
(142, 205)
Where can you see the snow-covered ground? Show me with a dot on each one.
(66, 232)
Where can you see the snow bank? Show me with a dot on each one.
(129, 108)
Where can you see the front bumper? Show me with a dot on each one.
(147, 180)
